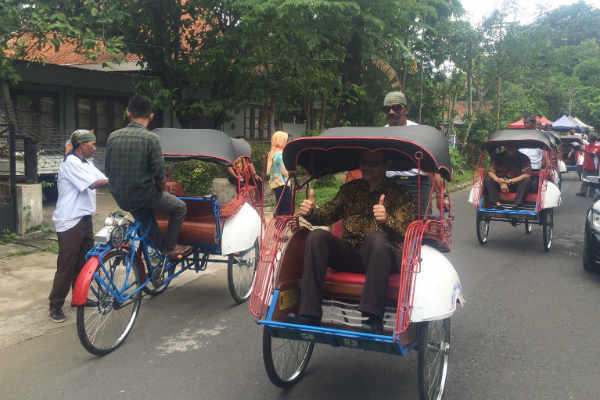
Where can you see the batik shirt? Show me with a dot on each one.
(134, 164)
(354, 204)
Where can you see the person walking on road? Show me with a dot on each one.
(135, 166)
(278, 175)
(78, 180)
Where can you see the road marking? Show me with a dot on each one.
(188, 340)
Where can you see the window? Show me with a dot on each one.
(102, 114)
(37, 118)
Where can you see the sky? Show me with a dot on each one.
(476, 10)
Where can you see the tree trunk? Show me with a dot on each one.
(323, 114)
(498, 96)
(470, 79)
(276, 122)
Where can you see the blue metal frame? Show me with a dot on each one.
(502, 212)
(199, 261)
(333, 337)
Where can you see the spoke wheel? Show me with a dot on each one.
(482, 226)
(285, 359)
(548, 222)
(434, 347)
(241, 269)
(105, 326)
(528, 227)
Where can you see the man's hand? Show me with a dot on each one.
(99, 183)
(379, 210)
(307, 205)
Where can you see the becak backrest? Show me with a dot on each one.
(199, 225)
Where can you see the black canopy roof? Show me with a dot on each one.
(338, 149)
(202, 144)
(520, 137)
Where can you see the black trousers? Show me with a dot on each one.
(73, 244)
(376, 257)
(165, 203)
(283, 192)
(520, 188)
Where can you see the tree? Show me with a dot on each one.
(36, 24)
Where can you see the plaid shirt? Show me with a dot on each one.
(134, 164)
(354, 204)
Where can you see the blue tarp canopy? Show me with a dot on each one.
(565, 123)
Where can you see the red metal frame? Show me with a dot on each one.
(268, 266)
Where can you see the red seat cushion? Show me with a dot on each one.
(175, 188)
(356, 279)
(530, 198)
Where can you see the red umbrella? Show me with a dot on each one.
(520, 124)
(517, 125)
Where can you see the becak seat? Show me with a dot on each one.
(199, 226)
(349, 285)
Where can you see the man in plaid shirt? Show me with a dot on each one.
(135, 166)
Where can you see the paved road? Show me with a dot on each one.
(528, 331)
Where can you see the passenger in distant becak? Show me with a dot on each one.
(536, 155)
(278, 175)
(510, 172)
(590, 166)
(78, 180)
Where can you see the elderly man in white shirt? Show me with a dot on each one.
(78, 179)
(535, 155)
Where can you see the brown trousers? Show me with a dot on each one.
(376, 257)
(73, 245)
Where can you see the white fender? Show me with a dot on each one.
(475, 190)
(552, 196)
(241, 230)
(562, 167)
(555, 176)
(437, 287)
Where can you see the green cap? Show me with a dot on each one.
(396, 97)
(82, 136)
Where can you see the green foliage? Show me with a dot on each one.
(8, 236)
(260, 151)
(195, 176)
(40, 24)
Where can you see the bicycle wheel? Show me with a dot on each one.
(241, 269)
(482, 226)
(528, 227)
(434, 347)
(105, 326)
(285, 359)
(548, 222)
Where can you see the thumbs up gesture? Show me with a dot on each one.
(308, 204)
(379, 210)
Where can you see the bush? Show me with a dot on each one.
(195, 176)
(260, 151)
(325, 181)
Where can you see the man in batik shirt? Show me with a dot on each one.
(376, 213)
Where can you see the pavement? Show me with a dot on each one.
(26, 275)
